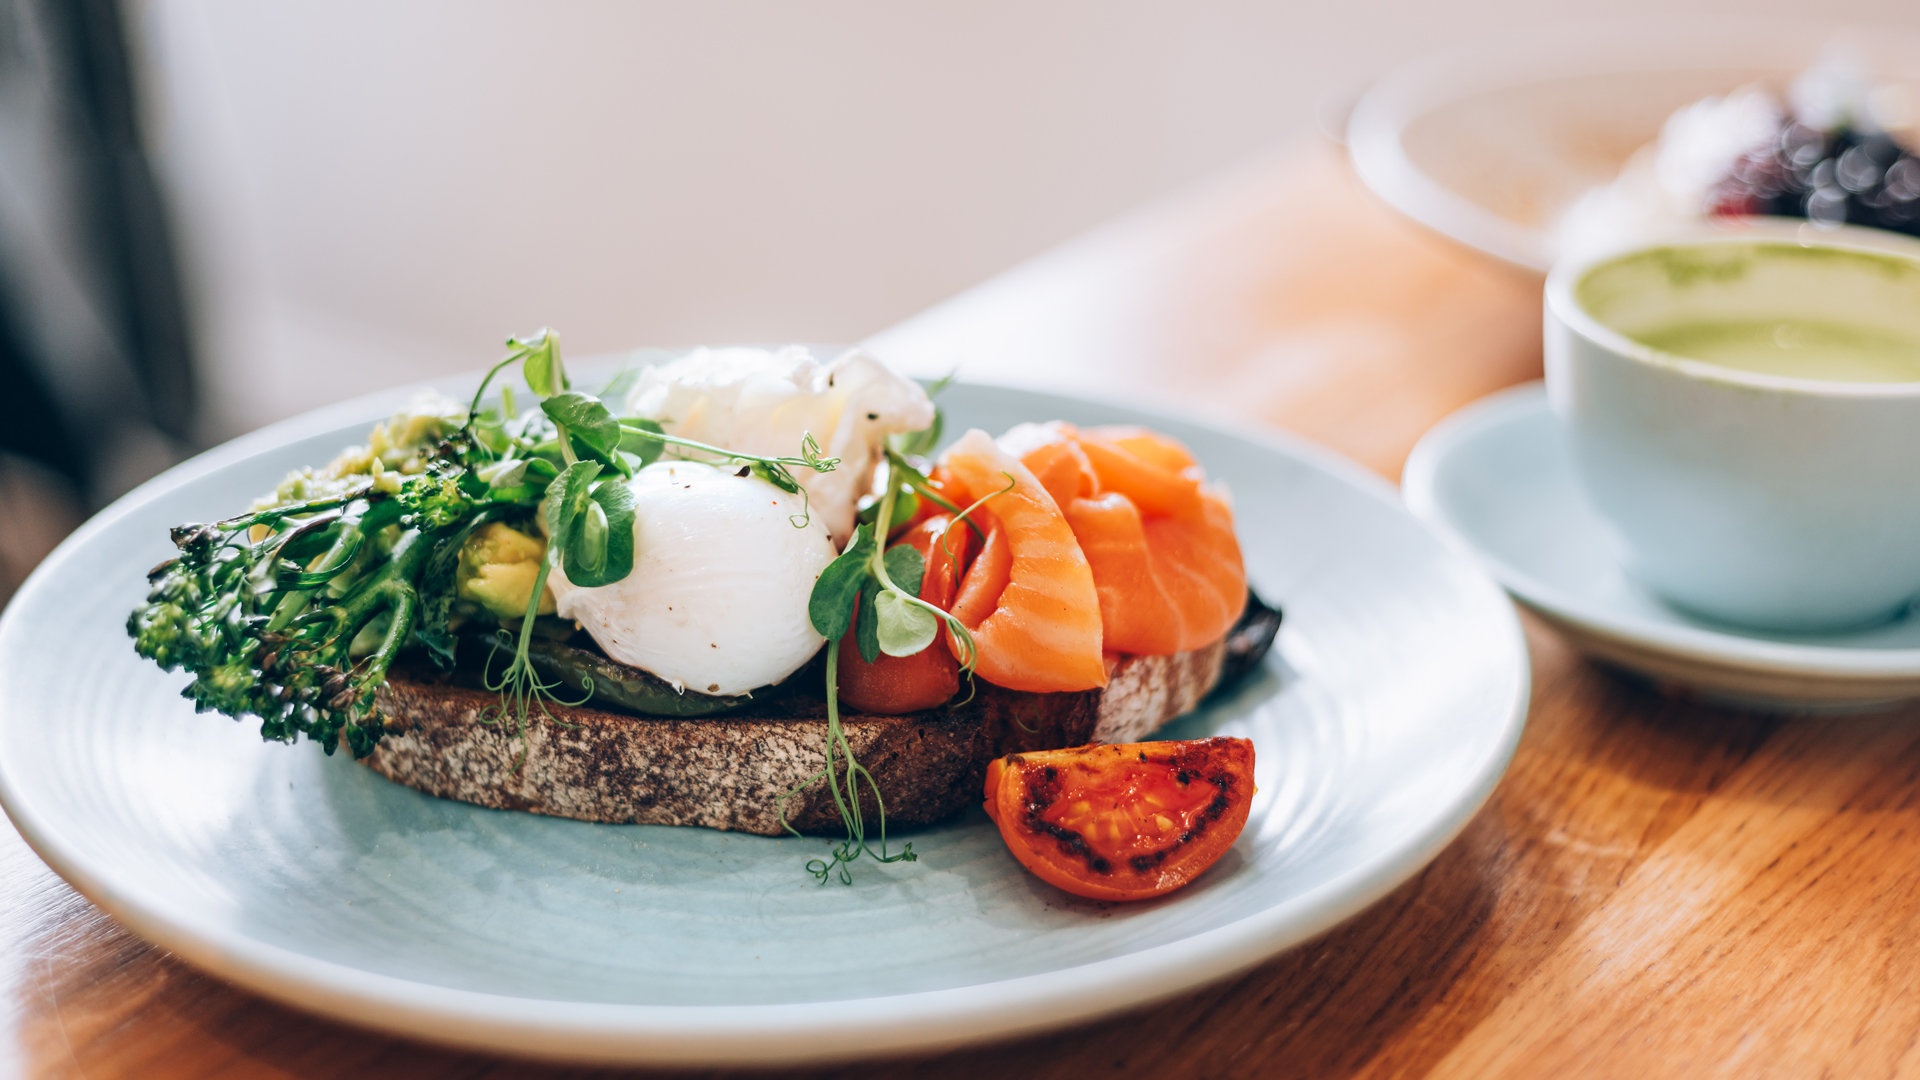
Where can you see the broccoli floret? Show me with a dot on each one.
(294, 611)
(263, 609)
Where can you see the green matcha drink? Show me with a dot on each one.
(1742, 408)
(1767, 308)
(1796, 348)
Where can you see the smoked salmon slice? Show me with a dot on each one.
(985, 580)
(1160, 541)
(1043, 632)
(1149, 446)
(1056, 460)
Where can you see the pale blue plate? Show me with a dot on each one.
(1382, 721)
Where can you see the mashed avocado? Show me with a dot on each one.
(393, 451)
(498, 567)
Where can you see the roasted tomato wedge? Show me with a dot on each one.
(1122, 822)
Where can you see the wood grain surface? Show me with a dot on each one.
(1656, 889)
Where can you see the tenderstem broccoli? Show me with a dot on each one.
(295, 611)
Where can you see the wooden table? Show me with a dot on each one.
(1656, 889)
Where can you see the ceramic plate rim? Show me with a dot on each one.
(788, 1033)
(1419, 484)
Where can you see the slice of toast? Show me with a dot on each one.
(449, 740)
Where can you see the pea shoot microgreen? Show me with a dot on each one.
(874, 592)
(270, 611)
(914, 483)
(912, 444)
(294, 612)
(585, 506)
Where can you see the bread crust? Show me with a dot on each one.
(729, 772)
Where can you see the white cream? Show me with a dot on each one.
(765, 402)
(717, 600)
(1666, 184)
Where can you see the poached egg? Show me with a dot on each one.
(723, 568)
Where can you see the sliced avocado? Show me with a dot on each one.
(615, 685)
(498, 566)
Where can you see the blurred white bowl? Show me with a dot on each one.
(1488, 145)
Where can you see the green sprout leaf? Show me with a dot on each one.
(904, 507)
(905, 568)
(910, 477)
(604, 531)
(904, 628)
(922, 443)
(587, 547)
(866, 629)
(567, 498)
(490, 431)
(593, 428)
(505, 473)
(541, 368)
(830, 607)
(776, 474)
(634, 441)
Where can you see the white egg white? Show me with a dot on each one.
(717, 600)
(761, 401)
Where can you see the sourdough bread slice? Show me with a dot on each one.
(729, 772)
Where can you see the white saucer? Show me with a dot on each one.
(1495, 480)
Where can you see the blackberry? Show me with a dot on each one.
(1843, 175)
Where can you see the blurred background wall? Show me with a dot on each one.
(374, 190)
(361, 193)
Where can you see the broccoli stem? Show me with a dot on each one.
(379, 592)
(345, 545)
(272, 518)
(403, 600)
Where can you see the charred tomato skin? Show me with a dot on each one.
(1127, 821)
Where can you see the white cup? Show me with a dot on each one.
(1772, 501)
